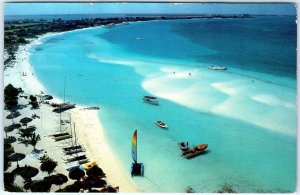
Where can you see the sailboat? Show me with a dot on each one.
(61, 135)
(137, 169)
(75, 148)
(64, 106)
(76, 152)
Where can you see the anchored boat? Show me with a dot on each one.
(195, 151)
(161, 124)
(151, 100)
(217, 68)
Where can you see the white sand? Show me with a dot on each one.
(230, 95)
(89, 130)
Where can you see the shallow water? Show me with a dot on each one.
(242, 113)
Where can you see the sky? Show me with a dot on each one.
(147, 8)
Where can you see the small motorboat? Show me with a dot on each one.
(162, 124)
(184, 146)
(195, 151)
(151, 100)
(217, 68)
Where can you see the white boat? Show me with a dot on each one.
(217, 68)
(184, 146)
(162, 124)
(151, 100)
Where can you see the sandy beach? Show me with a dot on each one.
(89, 130)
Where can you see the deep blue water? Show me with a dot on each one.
(264, 44)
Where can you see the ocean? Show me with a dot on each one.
(246, 114)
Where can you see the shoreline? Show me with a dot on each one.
(88, 126)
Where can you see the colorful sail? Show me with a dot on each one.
(134, 147)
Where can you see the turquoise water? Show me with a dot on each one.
(249, 124)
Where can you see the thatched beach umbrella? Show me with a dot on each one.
(16, 157)
(93, 182)
(9, 140)
(13, 115)
(58, 179)
(109, 189)
(15, 126)
(28, 172)
(40, 186)
(71, 188)
(10, 128)
(95, 171)
(25, 120)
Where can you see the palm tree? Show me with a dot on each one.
(48, 166)
(95, 171)
(9, 179)
(9, 183)
(34, 139)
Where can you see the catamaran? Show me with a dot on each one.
(61, 135)
(137, 169)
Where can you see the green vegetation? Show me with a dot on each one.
(11, 97)
(48, 166)
(34, 140)
(43, 158)
(33, 102)
(21, 40)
